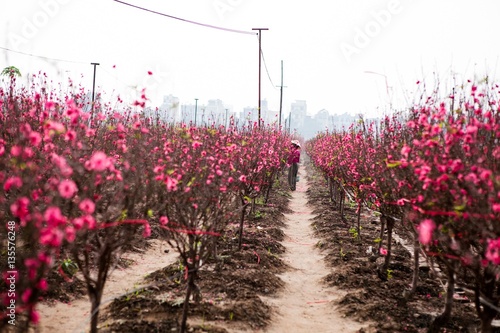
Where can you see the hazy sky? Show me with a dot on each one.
(340, 55)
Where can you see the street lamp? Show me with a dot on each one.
(93, 86)
(386, 86)
(385, 77)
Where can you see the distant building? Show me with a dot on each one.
(298, 113)
(309, 126)
(295, 120)
(320, 122)
(268, 116)
(169, 110)
(214, 112)
(149, 112)
(84, 101)
(342, 121)
(248, 115)
(251, 114)
(322, 119)
(188, 113)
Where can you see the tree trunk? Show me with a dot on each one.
(270, 187)
(330, 190)
(487, 314)
(190, 287)
(335, 193)
(95, 301)
(382, 230)
(390, 224)
(444, 317)
(96, 289)
(242, 220)
(359, 221)
(416, 265)
(341, 203)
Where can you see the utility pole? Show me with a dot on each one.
(260, 58)
(95, 64)
(281, 93)
(195, 110)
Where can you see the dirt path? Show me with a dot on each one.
(306, 304)
(74, 317)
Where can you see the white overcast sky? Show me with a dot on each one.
(340, 55)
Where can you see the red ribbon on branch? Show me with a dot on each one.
(114, 224)
(192, 232)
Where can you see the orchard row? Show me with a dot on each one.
(433, 172)
(82, 185)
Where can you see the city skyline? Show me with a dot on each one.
(214, 112)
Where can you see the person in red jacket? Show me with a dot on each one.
(293, 160)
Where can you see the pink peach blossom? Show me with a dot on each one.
(20, 208)
(35, 138)
(51, 237)
(53, 216)
(147, 230)
(163, 220)
(12, 182)
(171, 183)
(61, 163)
(405, 151)
(70, 233)
(89, 221)
(70, 135)
(78, 223)
(496, 207)
(34, 316)
(99, 161)
(493, 251)
(42, 284)
(26, 295)
(15, 151)
(67, 188)
(425, 230)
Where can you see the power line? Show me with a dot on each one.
(267, 71)
(42, 57)
(103, 68)
(188, 21)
